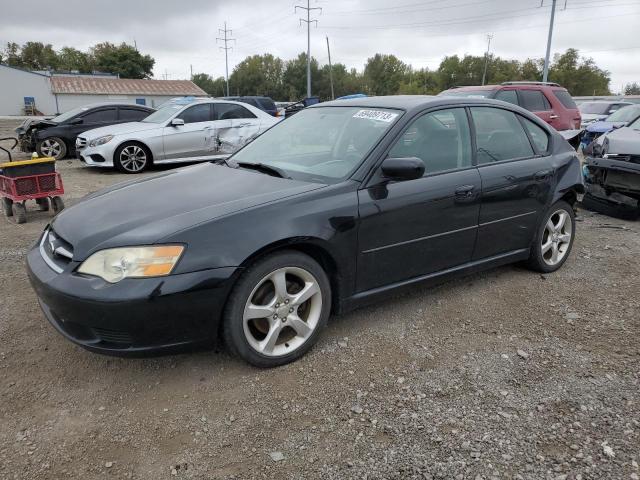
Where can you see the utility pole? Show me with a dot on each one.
(486, 58)
(308, 21)
(191, 70)
(226, 49)
(545, 73)
(330, 69)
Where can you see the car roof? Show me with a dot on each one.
(115, 104)
(408, 102)
(608, 102)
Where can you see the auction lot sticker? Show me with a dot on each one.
(376, 115)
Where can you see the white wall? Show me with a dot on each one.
(16, 84)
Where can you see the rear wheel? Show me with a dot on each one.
(52, 147)
(6, 207)
(132, 158)
(277, 310)
(19, 212)
(57, 204)
(554, 240)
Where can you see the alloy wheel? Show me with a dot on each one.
(133, 158)
(51, 148)
(282, 311)
(556, 238)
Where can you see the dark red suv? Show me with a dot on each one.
(549, 101)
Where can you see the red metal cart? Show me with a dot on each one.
(30, 180)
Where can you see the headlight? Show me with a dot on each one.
(100, 141)
(116, 264)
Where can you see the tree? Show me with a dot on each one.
(123, 60)
(37, 56)
(11, 55)
(295, 77)
(632, 89)
(73, 60)
(383, 74)
(214, 87)
(580, 76)
(258, 75)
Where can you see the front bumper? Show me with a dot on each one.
(100, 156)
(133, 316)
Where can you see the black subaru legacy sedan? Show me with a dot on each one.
(344, 202)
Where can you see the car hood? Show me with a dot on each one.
(145, 211)
(625, 141)
(34, 123)
(119, 128)
(603, 127)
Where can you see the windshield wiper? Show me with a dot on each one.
(264, 168)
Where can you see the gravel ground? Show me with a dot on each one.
(504, 374)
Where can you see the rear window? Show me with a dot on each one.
(267, 103)
(565, 99)
(597, 108)
(469, 93)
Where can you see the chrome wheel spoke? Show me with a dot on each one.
(279, 279)
(551, 226)
(300, 326)
(308, 291)
(268, 344)
(546, 246)
(565, 237)
(555, 253)
(252, 311)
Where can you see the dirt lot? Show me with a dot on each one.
(504, 374)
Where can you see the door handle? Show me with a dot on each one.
(465, 191)
(553, 117)
(542, 175)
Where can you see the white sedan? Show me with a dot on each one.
(184, 130)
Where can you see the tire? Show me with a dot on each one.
(6, 207)
(57, 204)
(552, 246)
(288, 331)
(43, 204)
(609, 208)
(132, 157)
(19, 212)
(52, 147)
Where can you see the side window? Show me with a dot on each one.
(228, 111)
(533, 100)
(547, 104)
(133, 114)
(538, 135)
(196, 113)
(509, 96)
(499, 135)
(441, 139)
(106, 115)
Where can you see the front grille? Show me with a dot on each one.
(112, 336)
(81, 143)
(56, 251)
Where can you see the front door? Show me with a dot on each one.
(516, 175)
(193, 138)
(415, 227)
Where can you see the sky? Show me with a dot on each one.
(181, 34)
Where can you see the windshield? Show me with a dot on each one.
(67, 115)
(323, 145)
(635, 125)
(486, 93)
(625, 114)
(594, 107)
(163, 114)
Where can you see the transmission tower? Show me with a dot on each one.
(308, 21)
(226, 49)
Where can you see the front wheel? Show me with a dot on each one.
(52, 147)
(132, 158)
(7, 207)
(277, 310)
(554, 239)
(19, 212)
(57, 204)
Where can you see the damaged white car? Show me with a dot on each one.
(183, 130)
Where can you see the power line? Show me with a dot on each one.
(308, 21)
(226, 49)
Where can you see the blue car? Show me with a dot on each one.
(619, 118)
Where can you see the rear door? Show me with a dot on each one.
(194, 138)
(235, 125)
(517, 175)
(535, 101)
(416, 227)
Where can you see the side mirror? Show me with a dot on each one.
(408, 168)
(177, 122)
(76, 121)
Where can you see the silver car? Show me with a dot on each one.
(183, 130)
